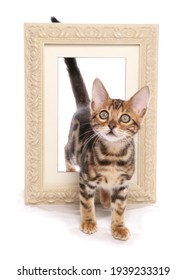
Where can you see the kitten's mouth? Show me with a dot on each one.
(111, 137)
(111, 133)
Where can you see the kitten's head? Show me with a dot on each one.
(114, 119)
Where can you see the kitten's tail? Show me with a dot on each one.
(77, 83)
(53, 19)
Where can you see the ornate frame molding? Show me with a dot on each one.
(36, 37)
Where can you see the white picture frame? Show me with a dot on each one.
(43, 44)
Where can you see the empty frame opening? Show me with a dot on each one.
(112, 73)
(117, 66)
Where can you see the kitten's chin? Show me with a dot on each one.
(112, 138)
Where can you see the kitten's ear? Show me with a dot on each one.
(99, 94)
(140, 101)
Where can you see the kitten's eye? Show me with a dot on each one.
(125, 118)
(103, 115)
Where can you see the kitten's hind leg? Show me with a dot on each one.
(69, 166)
(105, 198)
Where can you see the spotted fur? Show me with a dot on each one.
(101, 143)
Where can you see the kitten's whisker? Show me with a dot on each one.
(85, 123)
(86, 132)
(88, 140)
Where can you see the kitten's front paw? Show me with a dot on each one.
(88, 228)
(121, 233)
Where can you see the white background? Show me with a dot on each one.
(48, 236)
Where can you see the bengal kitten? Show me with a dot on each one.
(101, 143)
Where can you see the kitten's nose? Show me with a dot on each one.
(111, 125)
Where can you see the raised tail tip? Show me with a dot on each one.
(70, 61)
(53, 19)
